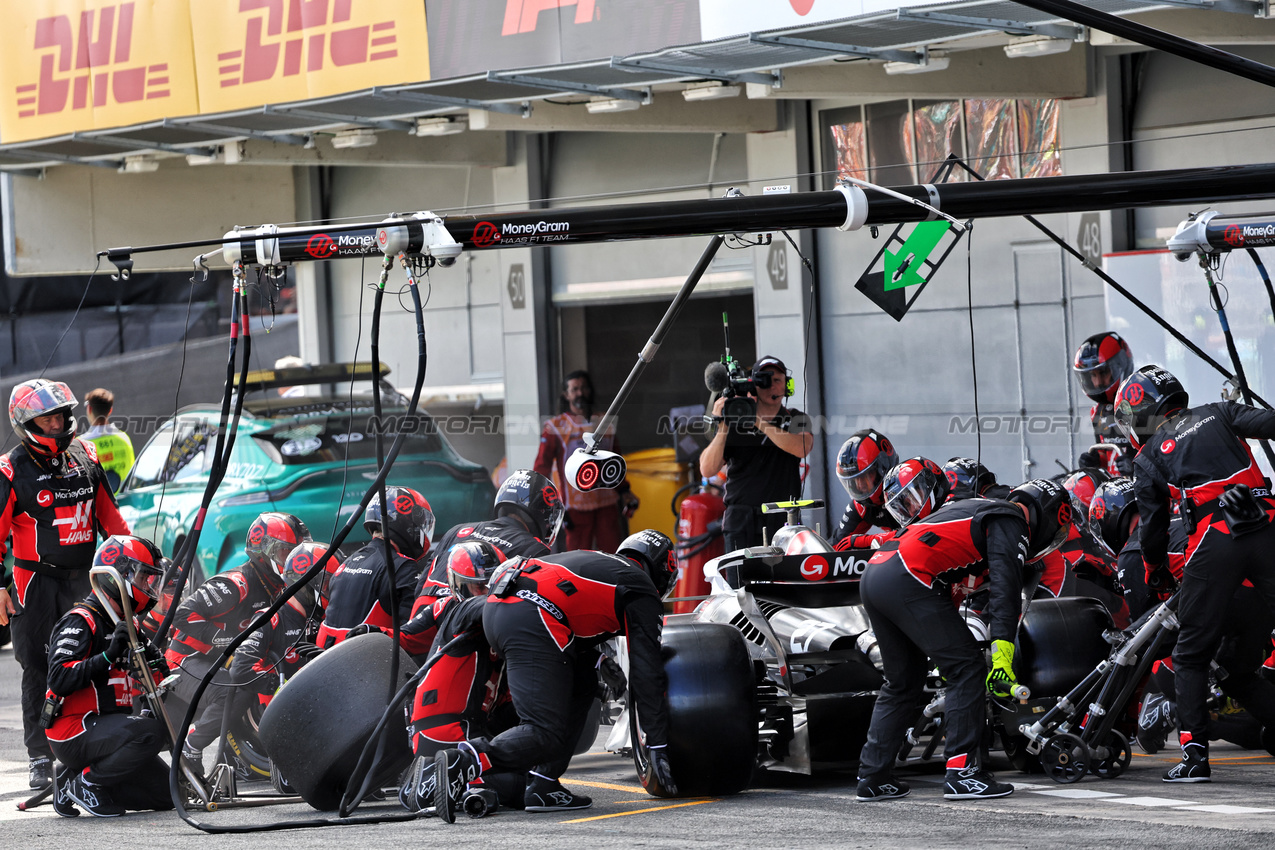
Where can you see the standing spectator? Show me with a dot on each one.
(593, 518)
(54, 500)
(114, 448)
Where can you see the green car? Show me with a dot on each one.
(310, 455)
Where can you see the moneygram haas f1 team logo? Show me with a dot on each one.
(321, 246)
(89, 61)
(287, 38)
(74, 523)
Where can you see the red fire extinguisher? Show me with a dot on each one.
(699, 540)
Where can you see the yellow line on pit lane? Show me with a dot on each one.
(612, 786)
(641, 811)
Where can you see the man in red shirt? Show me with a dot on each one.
(593, 518)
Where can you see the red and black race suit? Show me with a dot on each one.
(509, 537)
(55, 507)
(1105, 430)
(859, 518)
(80, 674)
(418, 633)
(268, 656)
(455, 699)
(969, 539)
(219, 610)
(360, 592)
(1093, 570)
(547, 629)
(1195, 456)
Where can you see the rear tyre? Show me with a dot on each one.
(713, 716)
(315, 727)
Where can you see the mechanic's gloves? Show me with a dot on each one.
(1001, 679)
(361, 629)
(155, 658)
(1091, 459)
(661, 771)
(117, 646)
(613, 676)
(1159, 579)
(308, 651)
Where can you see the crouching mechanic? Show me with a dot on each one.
(366, 590)
(110, 755)
(218, 610)
(1193, 462)
(907, 593)
(546, 617)
(461, 697)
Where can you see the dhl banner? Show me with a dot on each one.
(71, 65)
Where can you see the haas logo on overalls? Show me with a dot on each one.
(74, 523)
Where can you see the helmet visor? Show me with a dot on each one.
(906, 505)
(862, 485)
(145, 577)
(1057, 540)
(41, 401)
(1097, 380)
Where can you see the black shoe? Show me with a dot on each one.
(1268, 739)
(974, 783)
(41, 771)
(62, 802)
(1156, 719)
(548, 795)
(417, 790)
(193, 759)
(453, 771)
(93, 799)
(883, 787)
(1194, 766)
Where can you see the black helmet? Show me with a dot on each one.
(470, 566)
(967, 478)
(298, 563)
(139, 563)
(1112, 506)
(1102, 362)
(411, 523)
(1049, 515)
(1082, 485)
(271, 538)
(654, 552)
(530, 494)
(914, 489)
(40, 397)
(862, 463)
(1145, 400)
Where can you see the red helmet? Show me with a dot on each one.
(914, 489)
(1113, 506)
(1145, 399)
(271, 538)
(1102, 362)
(411, 523)
(39, 397)
(139, 563)
(1082, 485)
(862, 463)
(470, 566)
(533, 497)
(299, 561)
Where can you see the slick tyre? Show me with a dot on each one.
(315, 727)
(712, 696)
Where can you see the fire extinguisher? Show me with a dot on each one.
(699, 540)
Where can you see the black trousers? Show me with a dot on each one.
(552, 691)
(206, 727)
(121, 753)
(742, 526)
(47, 599)
(915, 624)
(1207, 609)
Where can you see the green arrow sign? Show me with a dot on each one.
(903, 268)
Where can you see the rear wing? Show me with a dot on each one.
(260, 380)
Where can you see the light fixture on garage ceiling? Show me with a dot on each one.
(933, 60)
(710, 91)
(1022, 47)
(206, 159)
(605, 105)
(139, 164)
(360, 137)
(441, 125)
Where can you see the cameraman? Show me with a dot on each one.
(762, 457)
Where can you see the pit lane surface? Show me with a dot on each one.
(1137, 810)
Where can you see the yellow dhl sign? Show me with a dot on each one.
(72, 65)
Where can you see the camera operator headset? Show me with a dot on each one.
(761, 443)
